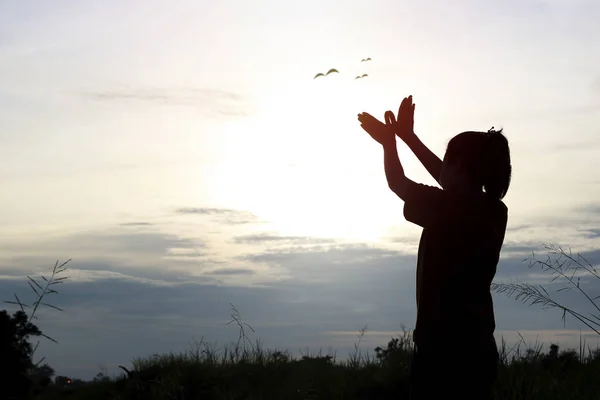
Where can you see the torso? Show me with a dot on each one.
(455, 267)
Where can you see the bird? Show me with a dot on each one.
(365, 59)
(361, 76)
(332, 70)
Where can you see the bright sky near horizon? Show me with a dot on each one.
(135, 135)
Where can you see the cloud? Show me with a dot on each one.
(125, 242)
(232, 271)
(223, 215)
(92, 268)
(94, 275)
(148, 254)
(270, 238)
(589, 209)
(519, 227)
(214, 100)
(331, 263)
(592, 233)
(136, 224)
(162, 95)
(205, 211)
(109, 243)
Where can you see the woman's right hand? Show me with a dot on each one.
(406, 119)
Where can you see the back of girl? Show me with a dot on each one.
(464, 225)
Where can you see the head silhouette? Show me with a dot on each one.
(477, 161)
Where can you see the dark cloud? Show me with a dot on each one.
(515, 247)
(589, 209)
(223, 215)
(517, 264)
(592, 233)
(232, 271)
(524, 248)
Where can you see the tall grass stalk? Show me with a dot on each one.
(560, 265)
(41, 291)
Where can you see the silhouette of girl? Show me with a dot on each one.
(455, 353)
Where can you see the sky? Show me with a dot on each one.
(185, 159)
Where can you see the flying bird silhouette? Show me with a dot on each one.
(332, 70)
(365, 59)
(361, 76)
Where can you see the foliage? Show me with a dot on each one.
(15, 334)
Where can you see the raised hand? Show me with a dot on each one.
(382, 133)
(404, 126)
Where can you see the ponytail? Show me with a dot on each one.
(498, 169)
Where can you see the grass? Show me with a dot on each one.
(561, 265)
(247, 370)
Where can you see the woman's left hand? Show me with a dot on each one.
(383, 133)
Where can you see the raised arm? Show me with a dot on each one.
(394, 173)
(384, 134)
(405, 131)
(430, 161)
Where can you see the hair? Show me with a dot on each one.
(486, 159)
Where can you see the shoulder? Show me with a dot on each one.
(431, 207)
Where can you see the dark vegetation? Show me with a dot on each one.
(246, 370)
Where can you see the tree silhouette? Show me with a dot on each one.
(17, 352)
(41, 375)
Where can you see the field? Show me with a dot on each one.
(247, 371)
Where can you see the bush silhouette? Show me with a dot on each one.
(16, 360)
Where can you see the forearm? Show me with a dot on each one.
(393, 168)
(430, 161)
